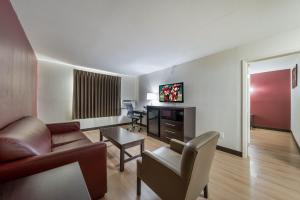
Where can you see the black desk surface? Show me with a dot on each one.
(142, 112)
(62, 183)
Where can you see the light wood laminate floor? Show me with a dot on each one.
(272, 170)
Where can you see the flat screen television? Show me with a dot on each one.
(171, 92)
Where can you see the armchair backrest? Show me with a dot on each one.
(197, 157)
(129, 109)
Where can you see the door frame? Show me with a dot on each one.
(246, 96)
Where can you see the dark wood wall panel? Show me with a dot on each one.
(18, 68)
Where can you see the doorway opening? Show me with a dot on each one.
(271, 102)
(270, 105)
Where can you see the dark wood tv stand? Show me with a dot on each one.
(167, 122)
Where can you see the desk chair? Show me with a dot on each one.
(133, 117)
(180, 171)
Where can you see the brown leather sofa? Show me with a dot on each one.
(27, 146)
(181, 171)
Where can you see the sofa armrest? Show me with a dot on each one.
(91, 158)
(177, 145)
(57, 128)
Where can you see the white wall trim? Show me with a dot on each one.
(245, 109)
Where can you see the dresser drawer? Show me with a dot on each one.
(171, 133)
(171, 124)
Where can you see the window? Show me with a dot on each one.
(96, 95)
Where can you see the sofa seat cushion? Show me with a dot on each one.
(72, 145)
(25, 137)
(170, 156)
(65, 138)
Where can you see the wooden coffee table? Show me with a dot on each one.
(65, 182)
(123, 139)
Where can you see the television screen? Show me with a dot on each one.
(171, 92)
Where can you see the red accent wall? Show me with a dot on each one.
(18, 68)
(270, 100)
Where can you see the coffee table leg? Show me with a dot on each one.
(122, 152)
(142, 147)
(101, 136)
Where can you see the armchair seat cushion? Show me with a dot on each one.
(72, 145)
(62, 139)
(171, 157)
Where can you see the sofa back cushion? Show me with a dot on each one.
(23, 138)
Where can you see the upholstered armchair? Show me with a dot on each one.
(181, 171)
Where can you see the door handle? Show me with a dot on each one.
(170, 124)
(172, 132)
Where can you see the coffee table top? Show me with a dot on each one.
(120, 135)
(65, 182)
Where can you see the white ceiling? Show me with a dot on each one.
(141, 36)
(285, 62)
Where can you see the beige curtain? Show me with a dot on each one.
(96, 95)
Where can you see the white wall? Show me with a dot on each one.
(55, 95)
(214, 83)
(295, 108)
(274, 64)
(210, 86)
